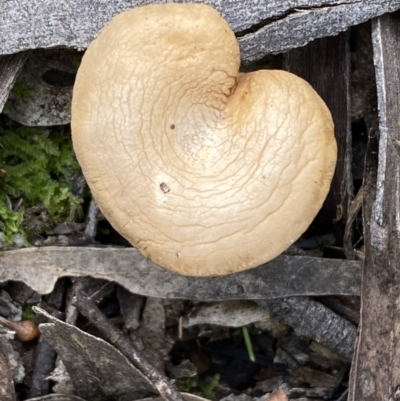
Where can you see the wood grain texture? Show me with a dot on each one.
(262, 27)
(7, 391)
(312, 319)
(285, 276)
(10, 66)
(325, 64)
(376, 364)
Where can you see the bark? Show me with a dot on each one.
(7, 392)
(325, 65)
(312, 319)
(376, 365)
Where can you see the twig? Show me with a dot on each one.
(312, 319)
(94, 215)
(131, 306)
(348, 233)
(88, 309)
(44, 365)
(45, 361)
(57, 297)
(105, 291)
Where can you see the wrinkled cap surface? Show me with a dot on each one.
(206, 171)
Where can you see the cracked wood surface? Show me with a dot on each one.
(285, 276)
(376, 364)
(262, 27)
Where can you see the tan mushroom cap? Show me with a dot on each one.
(206, 171)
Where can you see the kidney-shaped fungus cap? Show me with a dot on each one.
(204, 170)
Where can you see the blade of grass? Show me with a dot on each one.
(249, 346)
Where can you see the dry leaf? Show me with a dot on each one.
(228, 313)
(285, 276)
(97, 369)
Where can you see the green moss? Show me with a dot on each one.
(188, 384)
(208, 387)
(37, 169)
(10, 220)
(195, 386)
(22, 91)
(28, 314)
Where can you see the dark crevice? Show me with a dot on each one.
(58, 78)
(267, 21)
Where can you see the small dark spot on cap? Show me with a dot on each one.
(164, 187)
(177, 255)
(172, 126)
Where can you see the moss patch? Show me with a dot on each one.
(37, 168)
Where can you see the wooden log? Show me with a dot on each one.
(262, 27)
(376, 365)
(325, 64)
(285, 276)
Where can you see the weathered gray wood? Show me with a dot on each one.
(57, 397)
(263, 27)
(325, 64)
(7, 391)
(312, 319)
(285, 276)
(304, 24)
(354, 208)
(10, 66)
(376, 364)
